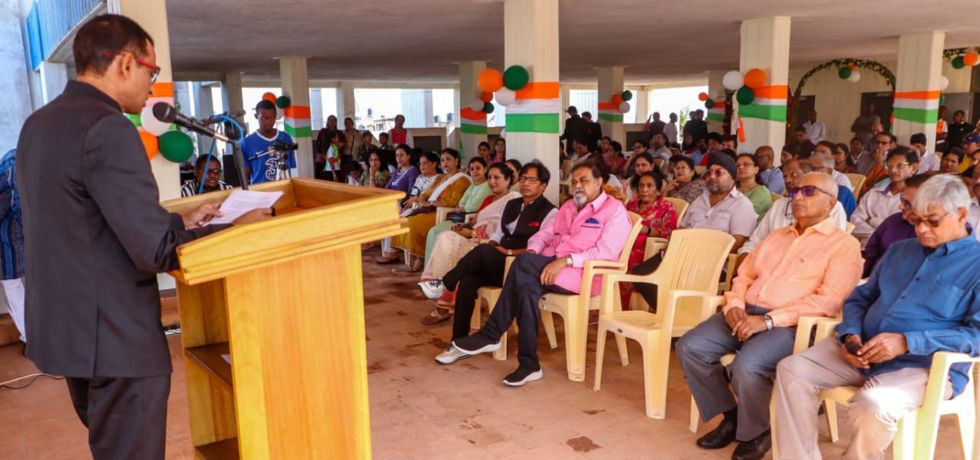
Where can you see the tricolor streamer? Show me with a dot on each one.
(297, 121)
(917, 106)
(535, 109)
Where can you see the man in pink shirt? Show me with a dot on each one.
(806, 269)
(592, 226)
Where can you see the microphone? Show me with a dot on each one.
(168, 114)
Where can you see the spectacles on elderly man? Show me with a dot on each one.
(807, 191)
(915, 220)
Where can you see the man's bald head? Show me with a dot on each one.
(764, 156)
(824, 181)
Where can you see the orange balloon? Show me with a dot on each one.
(268, 96)
(616, 99)
(755, 78)
(490, 80)
(970, 58)
(703, 96)
(150, 143)
(486, 97)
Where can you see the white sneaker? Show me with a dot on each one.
(433, 289)
(451, 355)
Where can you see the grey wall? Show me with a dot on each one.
(13, 80)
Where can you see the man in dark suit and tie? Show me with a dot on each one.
(96, 237)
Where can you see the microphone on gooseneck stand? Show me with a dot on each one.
(168, 114)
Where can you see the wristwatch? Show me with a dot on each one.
(510, 252)
(569, 262)
(768, 322)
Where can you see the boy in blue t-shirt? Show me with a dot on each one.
(261, 163)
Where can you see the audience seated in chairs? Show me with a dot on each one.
(781, 213)
(749, 183)
(686, 184)
(211, 176)
(721, 207)
(805, 269)
(895, 227)
(450, 246)
(772, 177)
(658, 216)
(445, 191)
(471, 202)
(592, 226)
(921, 299)
(377, 174)
(878, 203)
(404, 179)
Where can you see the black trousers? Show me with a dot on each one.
(483, 266)
(647, 291)
(126, 417)
(519, 301)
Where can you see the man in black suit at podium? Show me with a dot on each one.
(96, 237)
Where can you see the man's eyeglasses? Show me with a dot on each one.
(530, 180)
(715, 172)
(154, 69)
(915, 220)
(215, 172)
(807, 191)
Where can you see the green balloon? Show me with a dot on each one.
(844, 72)
(176, 146)
(627, 95)
(488, 107)
(958, 62)
(709, 104)
(283, 101)
(515, 78)
(745, 95)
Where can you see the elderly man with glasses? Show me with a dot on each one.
(806, 269)
(922, 298)
(880, 202)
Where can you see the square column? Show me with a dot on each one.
(472, 124)
(152, 16)
(765, 45)
(642, 104)
(916, 108)
(610, 84)
(296, 117)
(715, 116)
(533, 120)
(346, 104)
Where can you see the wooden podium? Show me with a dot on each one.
(285, 298)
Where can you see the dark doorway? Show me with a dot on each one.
(883, 106)
(803, 107)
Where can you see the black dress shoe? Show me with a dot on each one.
(753, 450)
(719, 437)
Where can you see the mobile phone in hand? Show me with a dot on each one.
(852, 347)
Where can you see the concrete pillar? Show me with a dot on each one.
(14, 82)
(715, 116)
(204, 104)
(346, 104)
(566, 100)
(611, 83)
(533, 121)
(54, 77)
(316, 109)
(920, 60)
(231, 95)
(473, 125)
(765, 45)
(296, 84)
(641, 102)
(152, 16)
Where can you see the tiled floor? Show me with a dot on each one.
(421, 410)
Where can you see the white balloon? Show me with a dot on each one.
(476, 106)
(943, 82)
(624, 107)
(732, 80)
(151, 124)
(505, 97)
(855, 76)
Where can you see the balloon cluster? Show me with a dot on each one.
(500, 86)
(744, 86)
(970, 58)
(621, 101)
(850, 73)
(162, 137)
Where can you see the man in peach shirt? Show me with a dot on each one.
(807, 269)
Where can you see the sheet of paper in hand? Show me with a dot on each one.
(243, 201)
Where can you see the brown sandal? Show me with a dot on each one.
(436, 316)
(384, 260)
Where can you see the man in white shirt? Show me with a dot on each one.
(670, 129)
(815, 130)
(877, 204)
(721, 207)
(781, 213)
(928, 161)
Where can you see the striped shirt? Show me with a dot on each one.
(11, 224)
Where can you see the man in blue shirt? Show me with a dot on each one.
(923, 297)
(261, 160)
(11, 243)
